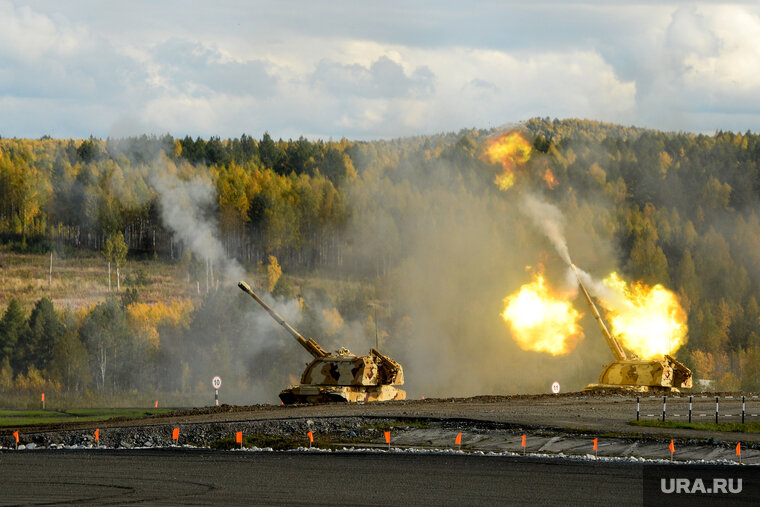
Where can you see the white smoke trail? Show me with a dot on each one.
(184, 209)
(549, 219)
(598, 289)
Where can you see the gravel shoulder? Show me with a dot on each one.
(555, 424)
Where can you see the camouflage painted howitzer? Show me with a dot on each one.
(629, 372)
(339, 376)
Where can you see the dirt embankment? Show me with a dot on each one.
(568, 414)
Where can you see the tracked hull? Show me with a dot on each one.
(606, 388)
(638, 375)
(349, 394)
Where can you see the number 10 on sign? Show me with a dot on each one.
(216, 382)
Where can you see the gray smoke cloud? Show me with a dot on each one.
(453, 255)
(185, 208)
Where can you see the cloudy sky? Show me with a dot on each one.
(367, 70)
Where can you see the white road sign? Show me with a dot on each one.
(216, 382)
(555, 388)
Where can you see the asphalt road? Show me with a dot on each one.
(172, 477)
(203, 477)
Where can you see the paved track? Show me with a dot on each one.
(171, 477)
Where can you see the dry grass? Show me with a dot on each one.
(82, 280)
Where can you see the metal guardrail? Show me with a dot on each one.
(691, 413)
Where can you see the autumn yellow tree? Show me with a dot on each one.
(274, 271)
(145, 319)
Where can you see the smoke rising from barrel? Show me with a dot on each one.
(549, 220)
(186, 208)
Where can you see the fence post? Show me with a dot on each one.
(663, 408)
(637, 408)
(689, 408)
(742, 409)
(716, 410)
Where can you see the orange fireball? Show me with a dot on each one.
(510, 150)
(541, 319)
(649, 321)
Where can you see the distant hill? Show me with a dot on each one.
(417, 222)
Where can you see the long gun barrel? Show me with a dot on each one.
(313, 347)
(613, 342)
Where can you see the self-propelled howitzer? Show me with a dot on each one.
(339, 376)
(630, 372)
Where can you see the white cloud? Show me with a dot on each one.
(732, 65)
(703, 75)
(29, 35)
(365, 72)
(383, 78)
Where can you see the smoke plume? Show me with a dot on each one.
(186, 209)
(549, 220)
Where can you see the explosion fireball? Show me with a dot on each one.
(542, 320)
(510, 150)
(649, 321)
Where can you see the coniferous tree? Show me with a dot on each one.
(42, 334)
(13, 326)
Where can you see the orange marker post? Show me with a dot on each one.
(458, 440)
(43, 400)
(596, 442)
(97, 435)
(523, 443)
(175, 435)
(156, 406)
(239, 438)
(311, 438)
(388, 439)
(15, 435)
(739, 451)
(672, 450)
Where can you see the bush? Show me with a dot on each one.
(284, 288)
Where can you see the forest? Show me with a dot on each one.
(359, 241)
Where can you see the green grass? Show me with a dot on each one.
(387, 425)
(261, 440)
(17, 418)
(750, 427)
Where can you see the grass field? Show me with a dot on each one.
(749, 427)
(18, 418)
(82, 280)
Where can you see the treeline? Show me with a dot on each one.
(170, 350)
(112, 346)
(679, 209)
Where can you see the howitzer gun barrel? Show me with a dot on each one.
(612, 342)
(313, 347)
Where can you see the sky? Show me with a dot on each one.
(372, 70)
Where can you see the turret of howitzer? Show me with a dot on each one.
(628, 371)
(341, 376)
